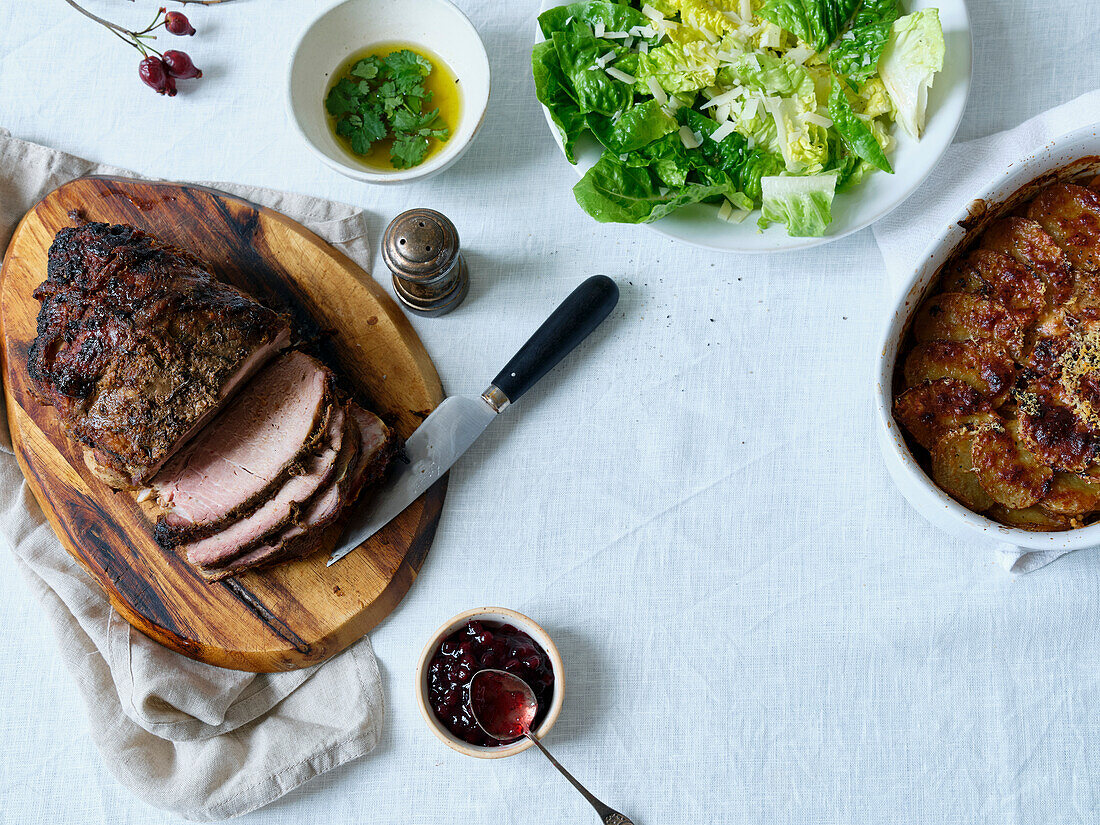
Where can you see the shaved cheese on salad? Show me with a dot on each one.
(800, 54)
(688, 138)
(723, 131)
(724, 98)
(732, 214)
(656, 90)
(620, 75)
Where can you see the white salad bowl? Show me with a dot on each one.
(437, 26)
(699, 225)
(1068, 157)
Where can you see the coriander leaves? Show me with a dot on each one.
(385, 97)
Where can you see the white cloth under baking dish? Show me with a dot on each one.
(965, 170)
(201, 741)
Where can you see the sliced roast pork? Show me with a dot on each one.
(277, 512)
(266, 435)
(138, 345)
(295, 539)
(377, 446)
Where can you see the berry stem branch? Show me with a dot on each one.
(97, 18)
(201, 2)
(134, 38)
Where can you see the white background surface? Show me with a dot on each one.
(755, 625)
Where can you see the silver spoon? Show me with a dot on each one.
(508, 707)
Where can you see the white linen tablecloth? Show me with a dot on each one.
(756, 626)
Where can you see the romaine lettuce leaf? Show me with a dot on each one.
(912, 56)
(593, 89)
(856, 134)
(778, 123)
(772, 75)
(678, 67)
(803, 203)
(733, 156)
(634, 128)
(613, 192)
(553, 91)
(817, 22)
(872, 99)
(669, 8)
(667, 159)
(804, 145)
(850, 169)
(581, 18)
(701, 14)
(857, 53)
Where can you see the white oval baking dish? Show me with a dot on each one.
(1071, 156)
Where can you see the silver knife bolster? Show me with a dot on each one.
(495, 398)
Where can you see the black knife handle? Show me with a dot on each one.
(569, 324)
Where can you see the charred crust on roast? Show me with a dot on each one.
(135, 339)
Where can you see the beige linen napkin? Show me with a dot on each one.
(966, 169)
(197, 740)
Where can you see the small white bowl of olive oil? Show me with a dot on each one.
(339, 39)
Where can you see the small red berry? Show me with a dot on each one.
(154, 74)
(180, 66)
(177, 23)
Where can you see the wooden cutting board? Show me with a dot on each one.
(285, 617)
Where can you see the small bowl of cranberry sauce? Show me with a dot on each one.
(488, 637)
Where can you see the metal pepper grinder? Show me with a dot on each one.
(429, 274)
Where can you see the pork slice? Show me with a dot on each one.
(321, 511)
(250, 448)
(276, 512)
(299, 546)
(377, 447)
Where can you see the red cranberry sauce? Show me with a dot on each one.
(479, 645)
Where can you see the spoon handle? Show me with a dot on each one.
(608, 815)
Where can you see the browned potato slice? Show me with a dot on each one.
(981, 364)
(1084, 303)
(959, 316)
(1007, 470)
(1071, 216)
(953, 470)
(1054, 433)
(1072, 494)
(1029, 518)
(960, 276)
(1045, 358)
(1027, 242)
(1053, 322)
(1010, 282)
(930, 410)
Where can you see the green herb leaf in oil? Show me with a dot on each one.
(384, 97)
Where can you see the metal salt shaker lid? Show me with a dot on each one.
(421, 249)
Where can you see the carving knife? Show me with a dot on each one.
(458, 421)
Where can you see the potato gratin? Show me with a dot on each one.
(1000, 375)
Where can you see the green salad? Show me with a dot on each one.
(747, 104)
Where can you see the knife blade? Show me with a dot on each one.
(458, 421)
